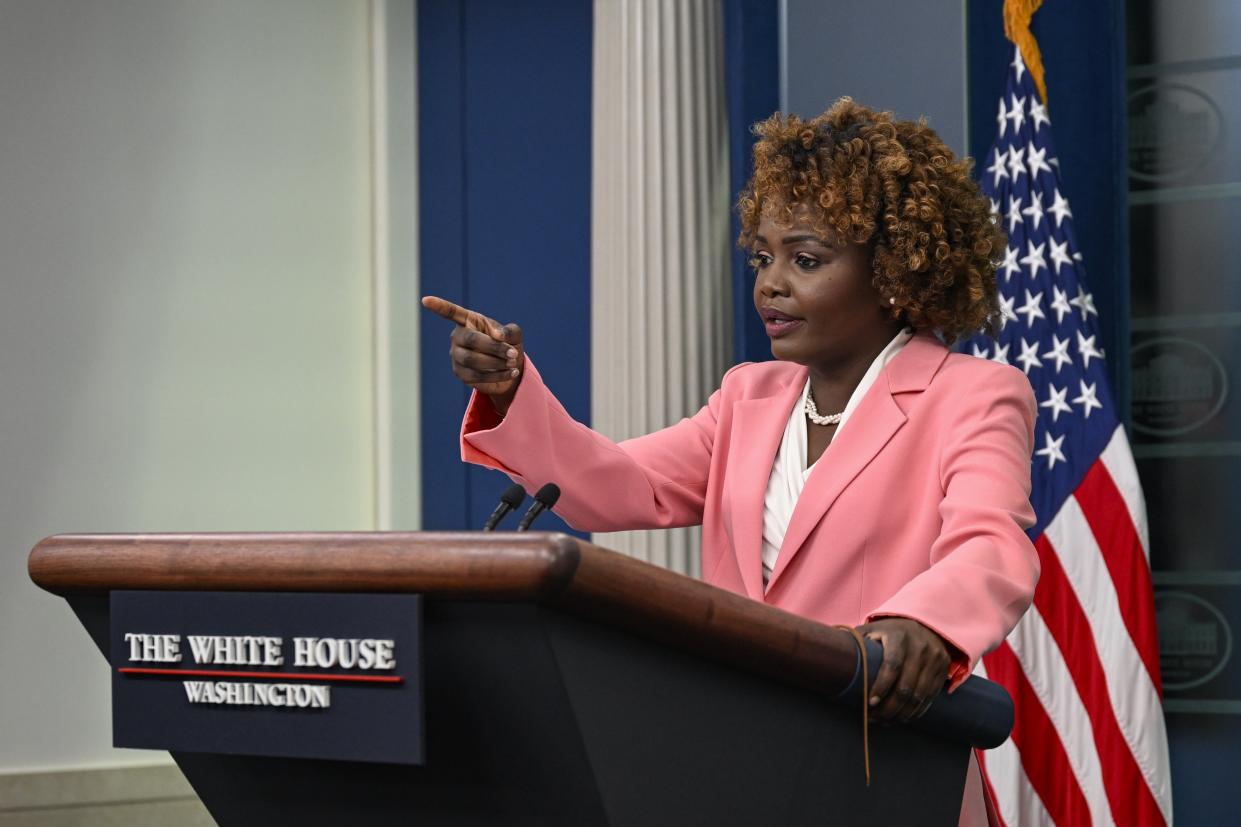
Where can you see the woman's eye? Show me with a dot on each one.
(760, 260)
(806, 262)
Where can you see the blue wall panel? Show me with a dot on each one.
(897, 55)
(752, 77)
(504, 134)
(442, 243)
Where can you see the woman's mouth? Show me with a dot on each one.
(778, 323)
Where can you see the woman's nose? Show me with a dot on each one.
(771, 282)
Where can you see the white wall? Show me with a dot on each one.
(186, 318)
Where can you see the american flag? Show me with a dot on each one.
(1089, 744)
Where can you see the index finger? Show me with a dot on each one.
(446, 309)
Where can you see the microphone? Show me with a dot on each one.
(509, 500)
(544, 499)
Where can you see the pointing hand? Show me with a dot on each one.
(486, 355)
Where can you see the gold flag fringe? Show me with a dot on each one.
(1017, 14)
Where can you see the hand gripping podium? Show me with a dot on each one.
(562, 684)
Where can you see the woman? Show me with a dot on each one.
(867, 476)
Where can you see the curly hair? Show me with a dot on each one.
(859, 176)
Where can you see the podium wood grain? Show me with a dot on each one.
(548, 569)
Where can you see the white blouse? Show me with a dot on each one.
(789, 472)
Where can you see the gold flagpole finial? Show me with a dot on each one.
(1017, 14)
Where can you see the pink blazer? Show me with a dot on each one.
(916, 509)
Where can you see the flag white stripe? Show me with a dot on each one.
(1019, 803)
(1118, 460)
(1049, 676)
(1129, 686)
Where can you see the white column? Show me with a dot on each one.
(661, 312)
(394, 262)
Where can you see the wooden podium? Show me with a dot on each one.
(564, 684)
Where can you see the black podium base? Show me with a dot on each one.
(534, 717)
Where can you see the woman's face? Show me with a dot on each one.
(817, 302)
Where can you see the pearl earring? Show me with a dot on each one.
(891, 300)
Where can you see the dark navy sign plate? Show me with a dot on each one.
(335, 676)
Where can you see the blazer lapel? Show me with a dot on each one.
(871, 426)
(758, 427)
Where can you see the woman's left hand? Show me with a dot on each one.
(914, 670)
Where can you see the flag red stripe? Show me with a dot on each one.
(1130, 797)
(1042, 755)
(1110, 523)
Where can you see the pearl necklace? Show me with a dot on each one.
(812, 411)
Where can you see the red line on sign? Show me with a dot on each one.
(219, 673)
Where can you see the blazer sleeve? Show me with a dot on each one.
(654, 481)
(983, 566)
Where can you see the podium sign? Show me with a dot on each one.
(332, 676)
